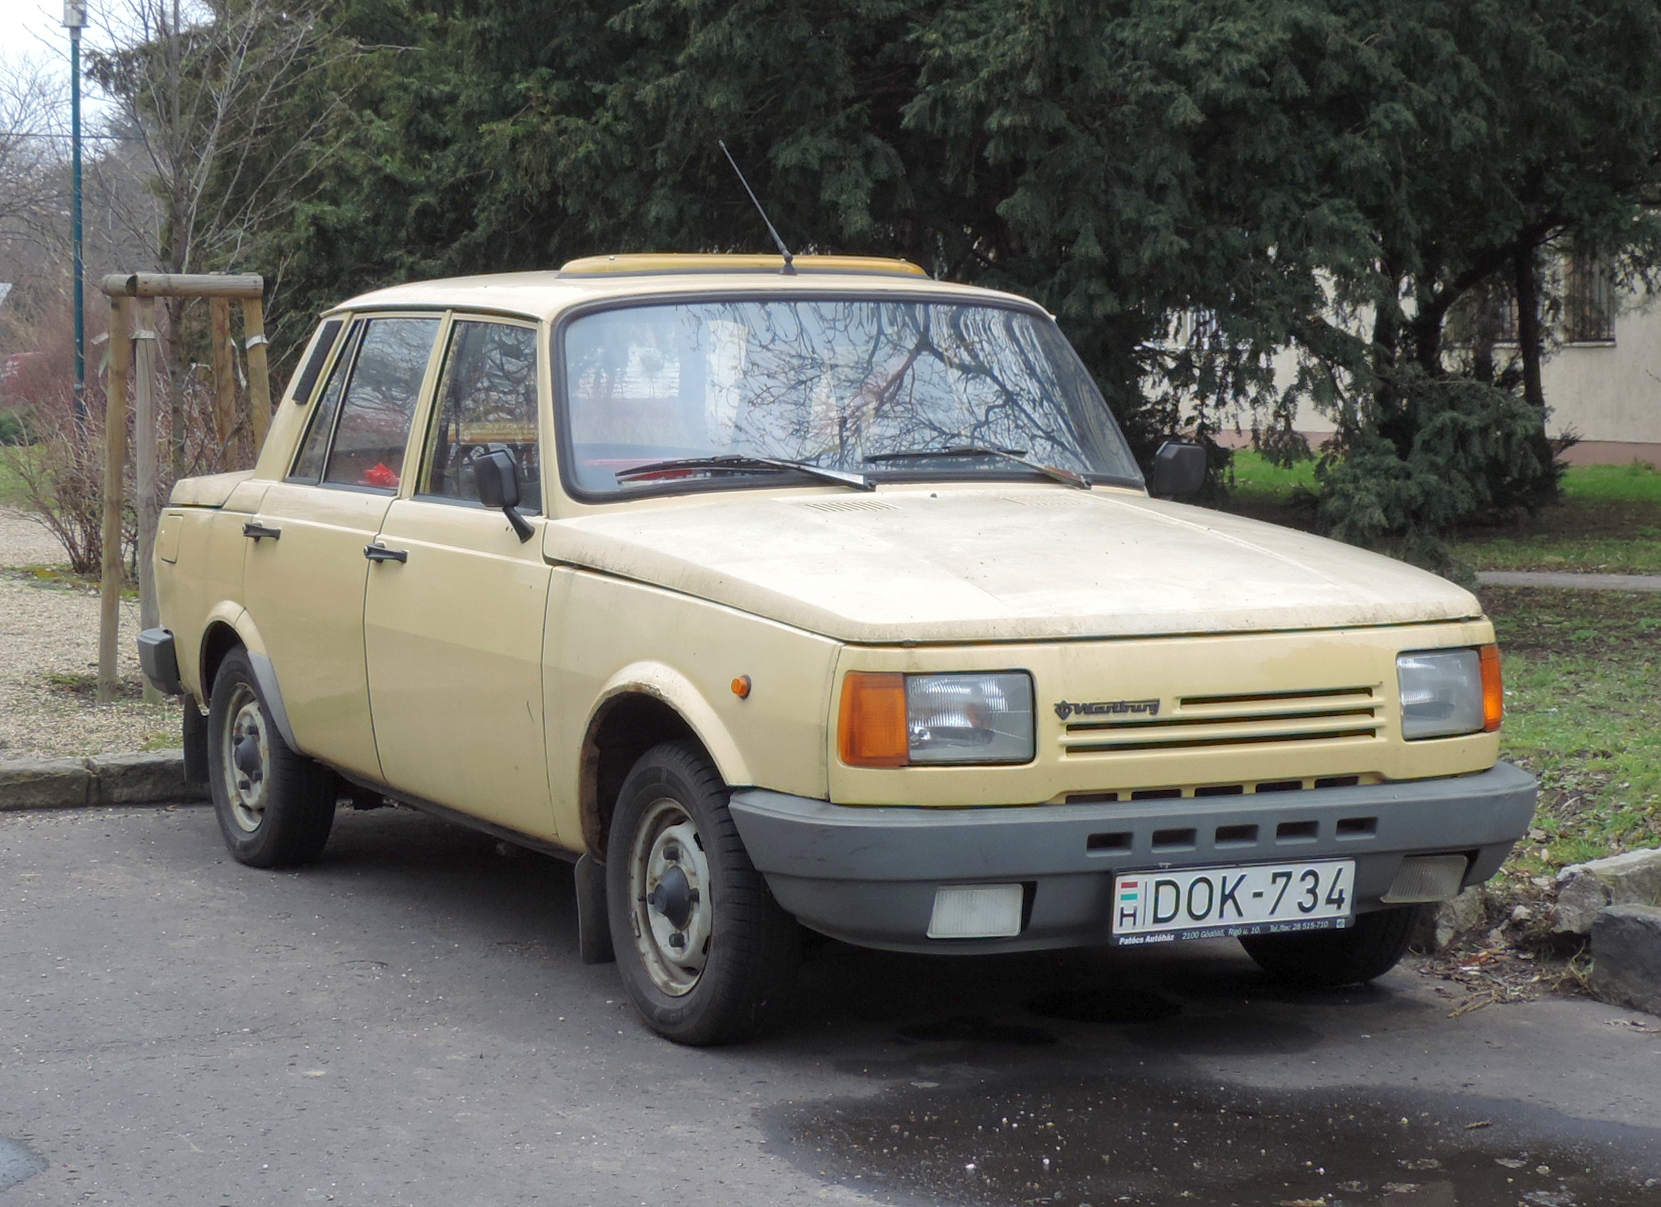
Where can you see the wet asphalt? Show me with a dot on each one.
(408, 1022)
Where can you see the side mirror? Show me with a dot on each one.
(496, 478)
(1178, 469)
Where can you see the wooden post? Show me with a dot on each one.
(115, 464)
(224, 380)
(144, 469)
(259, 372)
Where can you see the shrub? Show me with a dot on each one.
(61, 474)
(1473, 449)
(15, 428)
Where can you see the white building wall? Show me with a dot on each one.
(1610, 392)
(1607, 394)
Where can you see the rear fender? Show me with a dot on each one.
(236, 617)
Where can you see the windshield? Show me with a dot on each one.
(837, 383)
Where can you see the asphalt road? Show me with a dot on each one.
(408, 1022)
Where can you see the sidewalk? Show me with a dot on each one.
(1572, 582)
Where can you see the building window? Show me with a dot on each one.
(1588, 300)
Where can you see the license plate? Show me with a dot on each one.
(1224, 903)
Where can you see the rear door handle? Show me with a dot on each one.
(380, 553)
(258, 532)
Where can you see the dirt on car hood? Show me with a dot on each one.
(998, 563)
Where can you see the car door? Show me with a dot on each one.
(306, 568)
(453, 627)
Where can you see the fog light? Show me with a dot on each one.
(1427, 878)
(976, 911)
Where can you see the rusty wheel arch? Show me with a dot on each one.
(622, 729)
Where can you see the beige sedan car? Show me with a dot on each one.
(820, 595)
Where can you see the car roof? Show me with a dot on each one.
(543, 295)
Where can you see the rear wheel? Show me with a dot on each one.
(1326, 959)
(705, 952)
(275, 807)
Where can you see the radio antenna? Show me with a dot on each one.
(771, 230)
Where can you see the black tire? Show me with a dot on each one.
(705, 952)
(1327, 959)
(275, 807)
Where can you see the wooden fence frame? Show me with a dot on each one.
(132, 296)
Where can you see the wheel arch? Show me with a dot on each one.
(640, 708)
(230, 628)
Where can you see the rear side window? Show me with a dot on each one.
(379, 402)
(308, 466)
(320, 348)
(486, 400)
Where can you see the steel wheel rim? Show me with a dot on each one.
(669, 888)
(245, 758)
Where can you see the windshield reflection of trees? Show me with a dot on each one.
(830, 381)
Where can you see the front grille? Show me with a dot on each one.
(1326, 716)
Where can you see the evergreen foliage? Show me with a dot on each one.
(1190, 185)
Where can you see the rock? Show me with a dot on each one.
(137, 779)
(1439, 927)
(1521, 914)
(1626, 956)
(1582, 890)
(44, 784)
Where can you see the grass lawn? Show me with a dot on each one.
(1609, 520)
(1582, 680)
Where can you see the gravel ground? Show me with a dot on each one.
(49, 662)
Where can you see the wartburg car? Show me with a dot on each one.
(816, 594)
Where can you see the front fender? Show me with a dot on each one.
(676, 691)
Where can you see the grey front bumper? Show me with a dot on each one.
(868, 874)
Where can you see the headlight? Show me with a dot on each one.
(893, 720)
(1448, 692)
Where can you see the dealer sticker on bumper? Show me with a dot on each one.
(1218, 903)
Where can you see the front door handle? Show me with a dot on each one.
(380, 553)
(258, 532)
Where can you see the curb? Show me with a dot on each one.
(1569, 580)
(147, 778)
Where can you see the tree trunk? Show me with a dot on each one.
(1393, 423)
(1528, 329)
(1534, 392)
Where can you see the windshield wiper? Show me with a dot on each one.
(1017, 455)
(737, 463)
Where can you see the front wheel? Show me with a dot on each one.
(705, 952)
(1327, 959)
(275, 806)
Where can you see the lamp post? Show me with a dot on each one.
(74, 20)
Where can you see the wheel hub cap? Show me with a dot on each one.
(673, 897)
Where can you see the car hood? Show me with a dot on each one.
(952, 564)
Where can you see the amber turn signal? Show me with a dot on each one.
(741, 687)
(871, 729)
(1493, 689)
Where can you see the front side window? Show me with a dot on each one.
(486, 401)
(373, 428)
(886, 388)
